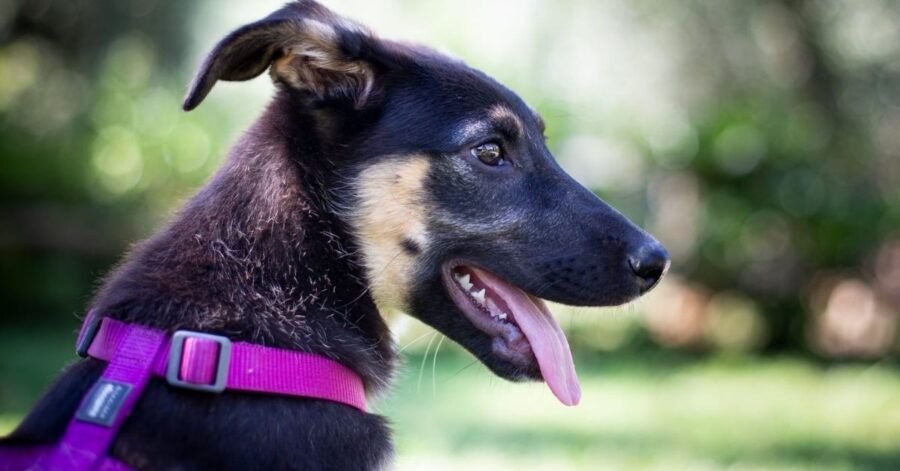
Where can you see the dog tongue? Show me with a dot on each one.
(548, 342)
(550, 347)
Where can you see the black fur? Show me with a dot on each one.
(412, 247)
(263, 253)
(253, 257)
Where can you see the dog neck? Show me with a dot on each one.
(258, 256)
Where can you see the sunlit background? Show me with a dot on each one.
(760, 141)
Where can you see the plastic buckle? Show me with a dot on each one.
(87, 334)
(175, 358)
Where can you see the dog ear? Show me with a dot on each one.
(307, 47)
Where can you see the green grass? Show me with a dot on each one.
(645, 412)
(642, 412)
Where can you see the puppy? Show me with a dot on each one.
(381, 176)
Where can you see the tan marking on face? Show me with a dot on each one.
(391, 208)
(501, 112)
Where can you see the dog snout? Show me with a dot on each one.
(649, 262)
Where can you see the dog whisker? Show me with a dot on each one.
(424, 358)
(414, 341)
(434, 366)
(457, 372)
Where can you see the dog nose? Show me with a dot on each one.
(649, 262)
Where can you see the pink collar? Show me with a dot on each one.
(190, 360)
(212, 363)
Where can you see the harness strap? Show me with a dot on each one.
(212, 363)
(30, 458)
(186, 359)
(108, 403)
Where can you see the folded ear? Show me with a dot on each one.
(308, 48)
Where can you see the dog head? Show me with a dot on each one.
(460, 214)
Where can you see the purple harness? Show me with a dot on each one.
(190, 360)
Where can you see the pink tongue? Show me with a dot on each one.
(548, 342)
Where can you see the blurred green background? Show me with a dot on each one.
(760, 141)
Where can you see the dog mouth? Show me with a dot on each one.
(521, 326)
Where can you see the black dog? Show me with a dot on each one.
(381, 176)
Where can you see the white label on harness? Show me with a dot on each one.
(103, 402)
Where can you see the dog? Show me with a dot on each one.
(382, 176)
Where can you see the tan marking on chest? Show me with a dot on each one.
(391, 208)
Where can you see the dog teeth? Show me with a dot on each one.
(464, 281)
(500, 316)
(479, 296)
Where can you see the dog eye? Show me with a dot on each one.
(489, 153)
